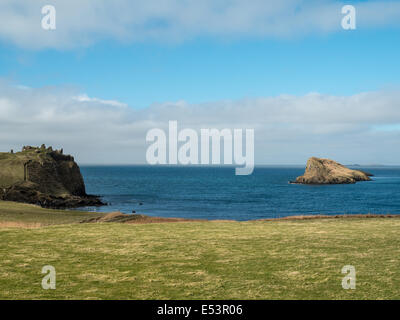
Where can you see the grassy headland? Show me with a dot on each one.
(283, 259)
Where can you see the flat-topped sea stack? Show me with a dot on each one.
(326, 171)
(44, 177)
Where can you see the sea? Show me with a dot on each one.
(217, 193)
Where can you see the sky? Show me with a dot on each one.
(112, 70)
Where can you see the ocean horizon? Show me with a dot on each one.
(213, 193)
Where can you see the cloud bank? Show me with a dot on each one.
(82, 23)
(363, 128)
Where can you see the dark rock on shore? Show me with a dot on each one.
(44, 177)
(326, 171)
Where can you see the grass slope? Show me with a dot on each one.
(29, 215)
(299, 259)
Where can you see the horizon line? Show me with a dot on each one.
(227, 165)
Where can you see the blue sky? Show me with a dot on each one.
(200, 70)
(112, 70)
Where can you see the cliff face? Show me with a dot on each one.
(325, 171)
(43, 176)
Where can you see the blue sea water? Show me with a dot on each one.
(217, 193)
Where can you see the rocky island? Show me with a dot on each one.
(326, 171)
(45, 177)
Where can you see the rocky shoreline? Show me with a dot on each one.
(28, 193)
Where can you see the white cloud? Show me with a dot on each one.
(363, 128)
(85, 98)
(81, 23)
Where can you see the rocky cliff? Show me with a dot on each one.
(44, 177)
(326, 171)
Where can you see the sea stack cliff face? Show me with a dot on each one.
(44, 177)
(326, 171)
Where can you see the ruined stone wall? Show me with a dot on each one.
(45, 175)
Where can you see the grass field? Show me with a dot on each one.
(28, 215)
(293, 259)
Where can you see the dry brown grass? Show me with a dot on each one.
(136, 219)
(13, 224)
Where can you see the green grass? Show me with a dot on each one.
(299, 259)
(27, 214)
